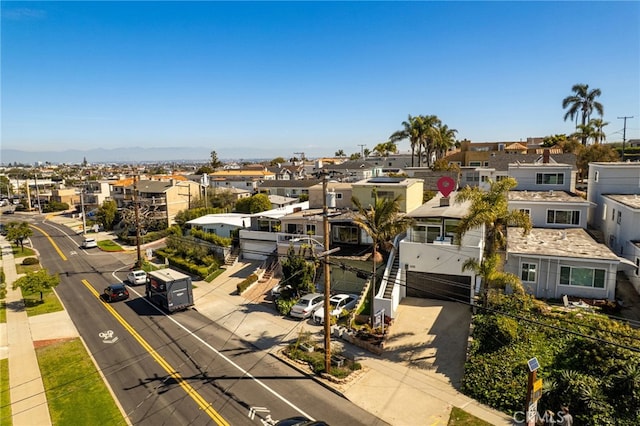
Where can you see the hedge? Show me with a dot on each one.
(211, 238)
(30, 261)
(247, 282)
(184, 265)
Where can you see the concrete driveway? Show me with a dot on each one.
(431, 335)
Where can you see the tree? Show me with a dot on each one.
(598, 124)
(276, 161)
(491, 276)
(428, 134)
(205, 169)
(491, 210)
(254, 204)
(382, 221)
(595, 153)
(409, 131)
(340, 153)
(297, 271)
(385, 148)
(582, 104)
(107, 213)
(444, 141)
(355, 156)
(18, 232)
(38, 281)
(215, 163)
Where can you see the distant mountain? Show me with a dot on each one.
(101, 155)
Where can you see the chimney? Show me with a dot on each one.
(545, 156)
(444, 201)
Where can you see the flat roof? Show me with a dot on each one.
(573, 242)
(432, 208)
(631, 200)
(233, 219)
(546, 196)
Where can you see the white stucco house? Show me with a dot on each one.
(551, 209)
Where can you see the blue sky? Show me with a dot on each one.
(263, 79)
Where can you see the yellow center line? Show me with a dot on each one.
(202, 403)
(55, 246)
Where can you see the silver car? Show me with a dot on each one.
(307, 305)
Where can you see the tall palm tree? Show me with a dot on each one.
(382, 221)
(490, 209)
(446, 139)
(409, 131)
(598, 124)
(582, 103)
(428, 134)
(385, 148)
(488, 269)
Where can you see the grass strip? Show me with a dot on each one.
(460, 417)
(5, 396)
(109, 245)
(34, 306)
(76, 393)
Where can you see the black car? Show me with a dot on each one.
(116, 292)
(300, 421)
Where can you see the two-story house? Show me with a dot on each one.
(287, 188)
(248, 179)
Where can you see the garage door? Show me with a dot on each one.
(439, 286)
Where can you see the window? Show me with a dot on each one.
(450, 227)
(485, 178)
(384, 194)
(613, 214)
(619, 216)
(596, 175)
(486, 164)
(637, 266)
(565, 217)
(311, 229)
(604, 212)
(526, 211)
(472, 177)
(475, 163)
(338, 195)
(582, 277)
(292, 228)
(528, 272)
(550, 178)
(345, 234)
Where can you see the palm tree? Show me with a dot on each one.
(582, 103)
(491, 276)
(585, 132)
(598, 124)
(385, 148)
(382, 221)
(409, 131)
(428, 134)
(491, 210)
(446, 139)
(340, 153)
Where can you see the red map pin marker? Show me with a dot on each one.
(446, 185)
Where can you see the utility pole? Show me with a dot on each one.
(361, 150)
(137, 213)
(327, 279)
(624, 132)
(84, 220)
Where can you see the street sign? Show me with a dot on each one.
(537, 390)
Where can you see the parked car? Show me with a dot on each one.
(137, 277)
(337, 304)
(116, 292)
(278, 289)
(89, 243)
(306, 305)
(300, 421)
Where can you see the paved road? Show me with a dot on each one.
(222, 369)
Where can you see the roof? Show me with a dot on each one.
(632, 200)
(546, 197)
(282, 211)
(573, 242)
(241, 173)
(501, 160)
(432, 208)
(296, 183)
(353, 165)
(387, 181)
(515, 146)
(232, 219)
(279, 199)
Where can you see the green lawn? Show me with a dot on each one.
(109, 245)
(459, 417)
(75, 391)
(3, 314)
(17, 252)
(5, 397)
(34, 306)
(23, 269)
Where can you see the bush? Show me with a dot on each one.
(30, 261)
(284, 305)
(247, 282)
(211, 238)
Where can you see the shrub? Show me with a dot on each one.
(242, 286)
(284, 305)
(211, 238)
(30, 261)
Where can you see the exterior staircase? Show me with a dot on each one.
(391, 281)
(232, 258)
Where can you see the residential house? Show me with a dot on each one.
(430, 261)
(278, 201)
(248, 179)
(352, 171)
(478, 154)
(551, 209)
(545, 176)
(620, 225)
(610, 178)
(221, 224)
(70, 196)
(410, 191)
(339, 194)
(287, 188)
(552, 263)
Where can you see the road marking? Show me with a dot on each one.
(202, 403)
(254, 410)
(55, 246)
(107, 336)
(227, 359)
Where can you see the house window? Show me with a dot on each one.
(564, 217)
(596, 176)
(604, 212)
(311, 229)
(472, 177)
(612, 240)
(419, 234)
(338, 195)
(389, 195)
(619, 217)
(613, 214)
(582, 277)
(345, 234)
(550, 178)
(526, 211)
(486, 164)
(292, 228)
(450, 227)
(528, 272)
(475, 163)
(637, 266)
(485, 178)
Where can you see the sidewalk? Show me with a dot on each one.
(28, 400)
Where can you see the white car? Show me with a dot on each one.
(89, 243)
(306, 305)
(337, 304)
(137, 277)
